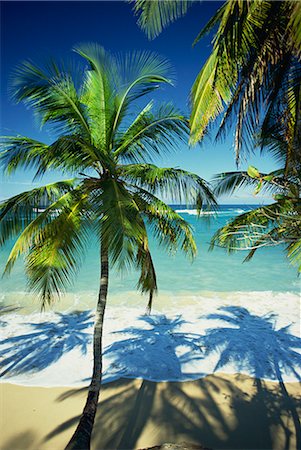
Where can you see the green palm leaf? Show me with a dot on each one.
(19, 211)
(155, 15)
(167, 226)
(152, 133)
(53, 96)
(178, 184)
(57, 250)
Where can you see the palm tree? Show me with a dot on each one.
(276, 224)
(252, 80)
(255, 55)
(105, 136)
(279, 222)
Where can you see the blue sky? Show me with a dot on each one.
(38, 30)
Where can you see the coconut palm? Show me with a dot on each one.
(255, 55)
(105, 137)
(252, 80)
(280, 222)
(271, 225)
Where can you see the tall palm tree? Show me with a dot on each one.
(256, 53)
(105, 136)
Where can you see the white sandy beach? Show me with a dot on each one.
(241, 332)
(208, 375)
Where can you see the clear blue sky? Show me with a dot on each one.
(38, 30)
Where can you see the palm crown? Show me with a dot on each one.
(107, 146)
(251, 80)
(253, 69)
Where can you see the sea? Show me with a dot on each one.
(215, 314)
(211, 273)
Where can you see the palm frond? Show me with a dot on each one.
(167, 226)
(53, 96)
(278, 223)
(19, 211)
(68, 153)
(98, 92)
(147, 282)
(215, 19)
(229, 182)
(22, 152)
(141, 73)
(177, 184)
(294, 252)
(155, 15)
(208, 97)
(151, 134)
(57, 250)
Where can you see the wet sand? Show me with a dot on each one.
(219, 411)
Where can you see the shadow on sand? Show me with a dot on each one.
(254, 344)
(152, 352)
(219, 411)
(46, 344)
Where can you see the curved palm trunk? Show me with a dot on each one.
(82, 436)
(149, 305)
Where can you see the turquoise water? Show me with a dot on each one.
(210, 272)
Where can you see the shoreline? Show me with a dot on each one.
(220, 411)
(165, 301)
(234, 334)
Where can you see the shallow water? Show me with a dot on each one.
(178, 278)
(215, 314)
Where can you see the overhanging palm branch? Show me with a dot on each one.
(256, 44)
(278, 223)
(155, 15)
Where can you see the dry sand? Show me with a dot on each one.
(219, 411)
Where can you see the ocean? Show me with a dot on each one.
(213, 315)
(211, 273)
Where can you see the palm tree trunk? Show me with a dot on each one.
(82, 436)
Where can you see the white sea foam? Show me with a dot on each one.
(194, 212)
(186, 342)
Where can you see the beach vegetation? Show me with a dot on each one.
(255, 54)
(267, 225)
(251, 82)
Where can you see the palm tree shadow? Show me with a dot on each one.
(46, 344)
(254, 344)
(174, 412)
(152, 353)
(130, 408)
(149, 352)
